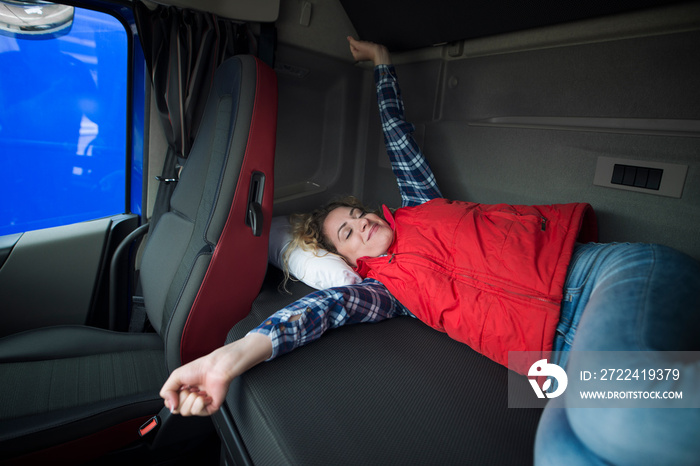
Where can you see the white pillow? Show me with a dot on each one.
(319, 270)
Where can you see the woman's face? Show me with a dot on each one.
(356, 234)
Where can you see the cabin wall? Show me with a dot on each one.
(318, 135)
(634, 89)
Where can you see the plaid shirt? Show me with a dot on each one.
(368, 301)
(413, 174)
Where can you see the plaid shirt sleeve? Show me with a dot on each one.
(321, 310)
(413, 174)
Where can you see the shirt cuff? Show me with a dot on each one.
(285, 335)
(273, 341)
(382, 72)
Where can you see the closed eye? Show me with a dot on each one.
(352, 214)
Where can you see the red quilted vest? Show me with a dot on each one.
(490, 276)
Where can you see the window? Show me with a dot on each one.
(63, 123)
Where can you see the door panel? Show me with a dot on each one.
(50, 276)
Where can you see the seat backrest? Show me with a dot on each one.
(204, 264)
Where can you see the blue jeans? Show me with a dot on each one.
(626, 297)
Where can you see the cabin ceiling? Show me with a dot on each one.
(412, 24)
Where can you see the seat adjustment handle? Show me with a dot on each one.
(254, 212)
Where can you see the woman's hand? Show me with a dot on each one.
(362, 50)
(199, 388)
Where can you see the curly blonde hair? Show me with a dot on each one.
(307, 230)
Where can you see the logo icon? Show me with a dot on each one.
(543, 369)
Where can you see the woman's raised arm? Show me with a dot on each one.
(414, 176)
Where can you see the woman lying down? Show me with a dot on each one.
(491, 276)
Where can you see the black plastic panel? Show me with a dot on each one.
(411, 24)
(639, 177)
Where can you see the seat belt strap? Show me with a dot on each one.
(168, 180)
(137, 322)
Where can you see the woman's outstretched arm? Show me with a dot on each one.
(199, 388)
(414, 176)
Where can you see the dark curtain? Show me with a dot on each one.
(183, 48)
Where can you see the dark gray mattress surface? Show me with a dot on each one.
(394, 392)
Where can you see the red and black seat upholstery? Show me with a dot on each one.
(202, 267)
